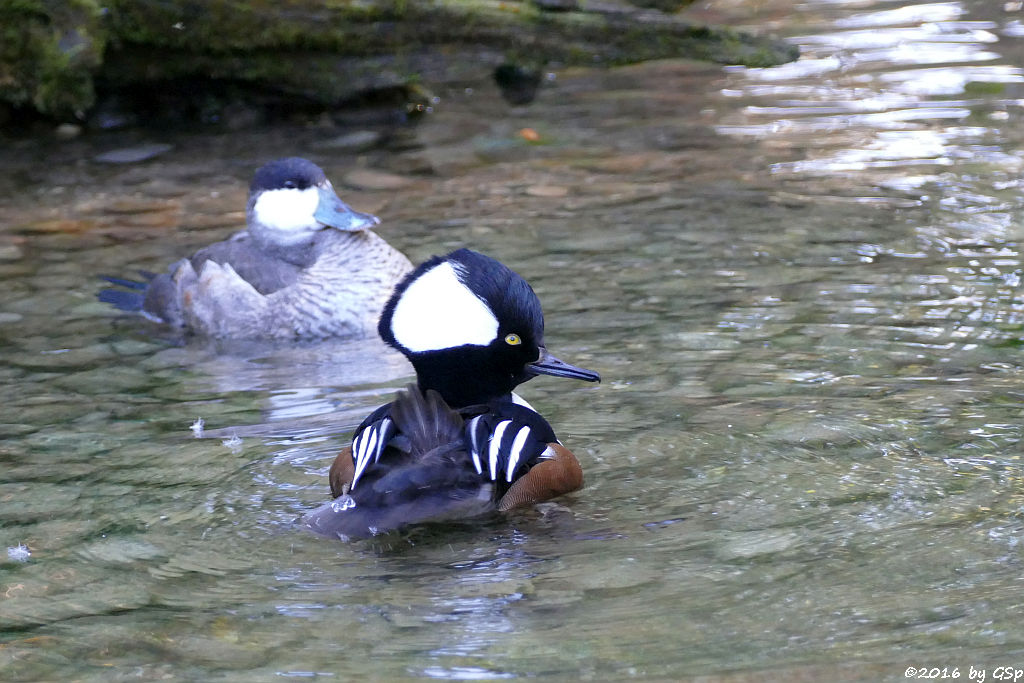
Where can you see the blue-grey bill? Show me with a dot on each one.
(337, 214)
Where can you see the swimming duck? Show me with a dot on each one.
(306, 267)
(458, 443)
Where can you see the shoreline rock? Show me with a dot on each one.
(56, 57)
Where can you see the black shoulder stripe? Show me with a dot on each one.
(376, 416)
(502, 447)
(519, 446)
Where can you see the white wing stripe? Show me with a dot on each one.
(495, 446)
(385, 426)
(359, 456)
(474, 448)
(516, 451)
(369, 444)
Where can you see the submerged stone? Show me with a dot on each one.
(356, 141)
(368, 179)
(133, 155)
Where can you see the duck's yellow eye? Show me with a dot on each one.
(513, 339)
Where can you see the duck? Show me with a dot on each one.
(307, 266)
(459, 442)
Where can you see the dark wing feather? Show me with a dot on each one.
(426, 420)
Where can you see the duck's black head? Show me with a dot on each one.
(291, 199)
(472, 328)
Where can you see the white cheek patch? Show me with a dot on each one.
(287, 214)
(437, 311)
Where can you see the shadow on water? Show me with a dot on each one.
(801, 285)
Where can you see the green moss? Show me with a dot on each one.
(49, 51)
(225, 26)
(984, 88)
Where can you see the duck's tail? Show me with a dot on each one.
(131, 297)
(425, 475)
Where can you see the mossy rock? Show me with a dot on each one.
(327, 51)
(49, 52)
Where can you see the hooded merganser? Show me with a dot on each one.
(286, 276)
(458, 443)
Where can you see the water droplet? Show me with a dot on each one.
(19, 553)
(342, 503)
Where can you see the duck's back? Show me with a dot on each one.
(335, 287)
(423, 472)
(343, 291)
(167, 294)
(266, 269)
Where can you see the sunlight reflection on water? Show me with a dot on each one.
(868, 86)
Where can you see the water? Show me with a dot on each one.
(801, 286)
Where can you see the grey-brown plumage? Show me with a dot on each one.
(248, 295)
(306, 267)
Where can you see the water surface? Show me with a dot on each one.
(801, 286)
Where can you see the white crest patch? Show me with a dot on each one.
(437, 311)
(286, 215)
